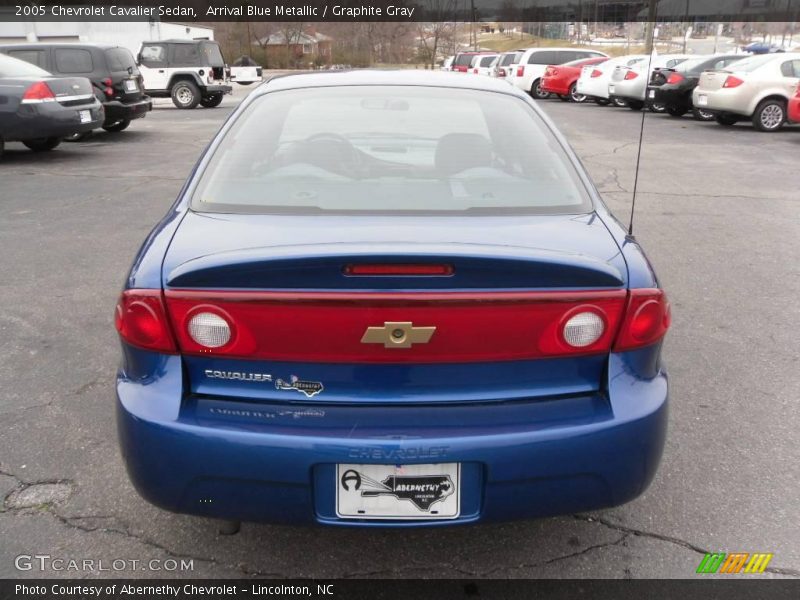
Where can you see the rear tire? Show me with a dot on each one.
(702, 115)
(619, 102)
(211, 101)
(537, 92)
(770, 115)
(245, 82)
(635, 104)
(574, 95)
(185, 95)
(658, 107)
(726, 119)
(118, 126)
(42, 144)
(602, 101)
(676, 111)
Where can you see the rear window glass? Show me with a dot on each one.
(73, 60)
(213, 55)
(390, 149)
(121, 59)
(185, 54)
(12, 67)
(487, 60)
(463, 60)
(509, 59)
(752, 63)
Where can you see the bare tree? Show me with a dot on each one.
(432, 34)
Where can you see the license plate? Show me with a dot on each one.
(611, 89)
(702, 100)
(652, 93)
(398, 491)
(85, 116)
(131, 85)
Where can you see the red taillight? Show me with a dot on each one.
(675, 78)
(390, 269)
(732, 82)
(107, 82)
(631, 75)
(596, 72)
(520, 70)
(141, 320)
(38, 92)
(108, 92)
(475, 70)
(501, 72)
(647, 318)
(332, 327)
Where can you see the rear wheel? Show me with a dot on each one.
(726, 119)
(537, 92)
(602, 101)
(702, 115)
(676, 111)
(635, 104)
(42, 144)
(185, 95)
(619, 102)
(658, 107)
(574, 95)
(245, 82)
(117, 125)
(211, 101)
(770, 115)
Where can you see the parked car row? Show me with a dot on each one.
(51, 92)
(726, 88)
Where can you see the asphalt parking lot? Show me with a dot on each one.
(718, 213)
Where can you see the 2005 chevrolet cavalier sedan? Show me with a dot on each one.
(390, 299)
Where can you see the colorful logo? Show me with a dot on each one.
(735, 562)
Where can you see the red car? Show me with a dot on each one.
(794, 107)
(463, 59)
(561, 79)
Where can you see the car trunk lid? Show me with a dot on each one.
(310, 327)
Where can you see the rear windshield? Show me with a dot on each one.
(390, 149)
(11, 67)
(463, 60)
(510, 59)
(121, 59)
(487, 60)
(751, 63)
(213, 55)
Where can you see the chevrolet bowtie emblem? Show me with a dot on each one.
(397, 335)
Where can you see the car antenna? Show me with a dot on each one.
(651, 46)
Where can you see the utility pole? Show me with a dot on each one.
(473, 37)
(649, 26)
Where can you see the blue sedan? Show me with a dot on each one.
(390, 299)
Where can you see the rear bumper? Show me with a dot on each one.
(667, 94)
(118, 111)
(630, 89)
(556, 86)
(730, 100)
(274, 462)
(216, 89)
(51, 119)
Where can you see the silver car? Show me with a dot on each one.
(628, 83)
(757, 87)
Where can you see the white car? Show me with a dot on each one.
(483, 64)
(593, 81)
(628, 84)
(533, 62)
(758, 88)
(504, 67)
(447, 65)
